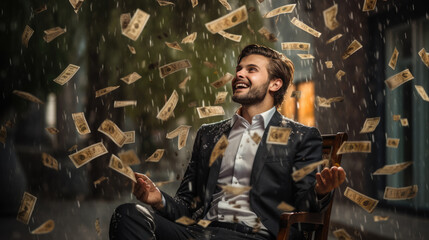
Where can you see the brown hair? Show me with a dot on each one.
(279, 67)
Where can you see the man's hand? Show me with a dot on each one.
(146, 191)
(329, 179)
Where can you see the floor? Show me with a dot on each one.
(75, 220)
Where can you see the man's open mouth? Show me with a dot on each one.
(241, 85)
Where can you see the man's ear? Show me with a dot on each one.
(275, 84)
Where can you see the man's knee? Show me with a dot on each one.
(129, 217)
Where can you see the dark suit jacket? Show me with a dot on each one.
(271, 179)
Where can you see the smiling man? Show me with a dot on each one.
(249, 162)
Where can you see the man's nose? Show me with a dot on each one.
(240, 74)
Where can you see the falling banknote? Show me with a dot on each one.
(223, 80)
(27, 96)
(26, 35)
(267, 34)
(204, 223)
(220, 97)
(131, 78)
(370, 125)
(130, 137)
(52, 130)
(136, 25)
(52, 33)
(302, 172)
(278, 135)
(340, 74)
(117, 165)
(280, 10)
(190, 38)
(392, 142)
(110, 129)
(129, 158)
(185, 221)
(87, 154)
(211, 111)
(76, 4)
(330, 17)
(67, 74)
(296, 46)
(380, 218)
(363, 201)
(398, 79)
(230, 36)
(422, 92)
(355, 147)
(218, 150)
(174, 45)
(182, 132)
(305, 56)
(80, 123)
(369, 5)
(391, 169)
(49, 161)
(236, 189)
(97, 227)
(391, 193)
(46, 227)
(26, 208)
(393, 59)
(283, 206)
(156, 156)
(341, 234)
(173, 67)
(334, 38)
(230, 20)
(119, 104)
(305, 27)
(424, 56)
(105, 91)
(352, 48)
(167, 109)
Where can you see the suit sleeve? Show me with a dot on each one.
(309, 151)
(181, 204)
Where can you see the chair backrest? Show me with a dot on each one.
(331, 144)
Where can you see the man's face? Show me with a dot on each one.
(250, 85)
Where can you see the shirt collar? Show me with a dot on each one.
(266, 116)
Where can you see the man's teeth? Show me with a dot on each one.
(241, 85)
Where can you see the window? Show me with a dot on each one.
(408, 38)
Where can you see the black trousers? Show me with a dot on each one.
(133, 221)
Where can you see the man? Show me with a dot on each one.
(262, 77)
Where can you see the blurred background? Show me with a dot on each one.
(93, 41)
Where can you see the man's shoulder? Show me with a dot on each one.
(221, 125)
(296, 126)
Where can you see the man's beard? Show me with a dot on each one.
(254, 96)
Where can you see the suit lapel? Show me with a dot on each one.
(225, 128)
(262, 152)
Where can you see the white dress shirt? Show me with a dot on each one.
(236, 169)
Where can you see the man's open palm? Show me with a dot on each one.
(329, 179)
(146, 191)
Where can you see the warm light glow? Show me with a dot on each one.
(304, 108)
(288, 107)
(306, 104)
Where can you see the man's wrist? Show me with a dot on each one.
(160, 204)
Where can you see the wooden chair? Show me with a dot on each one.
(331, 144)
